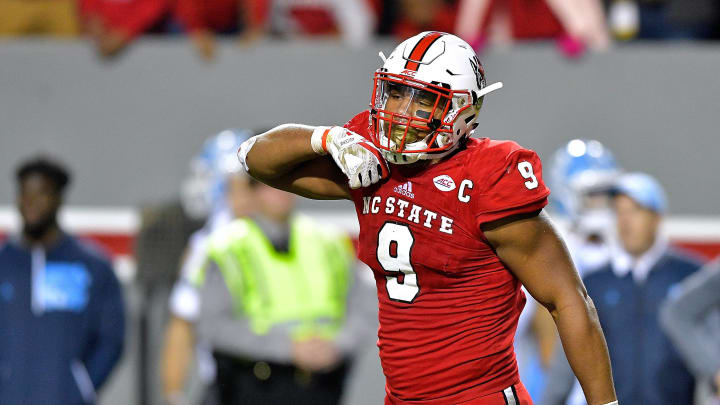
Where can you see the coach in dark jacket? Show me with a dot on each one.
(61, 308)
(629, 292)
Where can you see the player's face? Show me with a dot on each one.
(240, 195)
(273, 203)
(408, 103)
(637, 225)
(595, 217)
(595, 201)
(38, 202)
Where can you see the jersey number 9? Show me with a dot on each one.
(526, 170)
(395, 242)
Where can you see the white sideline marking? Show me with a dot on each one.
(126, 220)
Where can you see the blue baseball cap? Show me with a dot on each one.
(643, 189)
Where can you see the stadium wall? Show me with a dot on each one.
(128, 128)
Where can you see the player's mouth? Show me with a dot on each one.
(398, 132)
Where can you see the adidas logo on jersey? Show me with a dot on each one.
(405, 189)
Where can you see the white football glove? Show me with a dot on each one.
(354, 155)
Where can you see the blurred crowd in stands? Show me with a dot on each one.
(575, 25)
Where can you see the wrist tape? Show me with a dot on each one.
(318, 140)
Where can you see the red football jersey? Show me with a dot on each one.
(448, 307)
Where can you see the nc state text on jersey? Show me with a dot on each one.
(416, 213)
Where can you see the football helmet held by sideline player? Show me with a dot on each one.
(579, 171)
(203, 190)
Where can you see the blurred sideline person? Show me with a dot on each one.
(691, 317)
(282, 306)
(452, 227)
(581, 175)
(165, 229)
(229, 197)
(628, 293)
(61, 306)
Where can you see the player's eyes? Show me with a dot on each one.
(426, 98)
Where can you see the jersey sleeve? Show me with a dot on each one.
(360, 124)
(515, 186)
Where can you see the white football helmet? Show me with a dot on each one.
(426, 98)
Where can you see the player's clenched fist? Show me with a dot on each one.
(354, 155)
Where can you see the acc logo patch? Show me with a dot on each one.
(444, 183)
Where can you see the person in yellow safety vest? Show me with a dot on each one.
(219, 186)
(282, 307)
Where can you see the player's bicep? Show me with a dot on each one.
(318, 179)
(531, 248)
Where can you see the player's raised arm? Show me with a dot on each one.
(530, 247)
(284, 158)
(292, 157)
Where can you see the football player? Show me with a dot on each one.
(450, 225)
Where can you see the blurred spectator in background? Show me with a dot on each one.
(574, 24)
(351, 20)
(203, 20)
(62, 321)
(691, 317)
(282, 306)
(628, 293)
(164, 232)
(39, 17)
(405, 18)
(231, 198)
(664, 19)
(582, 173)
(113, 24)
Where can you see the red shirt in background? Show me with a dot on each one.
(224, 15)
(132, 17)
(533, 19)
(529, 19)
(210, 15)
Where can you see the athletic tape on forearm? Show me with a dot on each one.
(244, 149)
(612, 403)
